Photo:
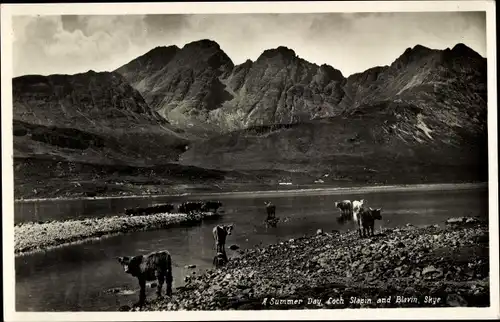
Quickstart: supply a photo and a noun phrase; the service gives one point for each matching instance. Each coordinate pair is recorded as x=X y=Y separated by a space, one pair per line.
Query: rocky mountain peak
x=202 y=52
x=331 y=72
x=463 y=51
x=202 y=44
x=281 y=52
x=160 y=52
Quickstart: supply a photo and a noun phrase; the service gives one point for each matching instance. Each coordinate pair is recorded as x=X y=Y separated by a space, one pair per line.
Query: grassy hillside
x=113 y=147
x=373 y=146
x=55 y=177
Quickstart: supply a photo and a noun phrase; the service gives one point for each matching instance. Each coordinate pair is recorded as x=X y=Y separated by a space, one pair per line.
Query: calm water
x=76 y=277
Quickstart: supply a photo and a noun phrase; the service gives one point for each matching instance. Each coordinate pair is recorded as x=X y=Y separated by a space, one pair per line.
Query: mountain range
x=421 y=119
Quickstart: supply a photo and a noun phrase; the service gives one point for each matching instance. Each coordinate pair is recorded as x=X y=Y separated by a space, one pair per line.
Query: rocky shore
x=31 y=237
x=435 y=266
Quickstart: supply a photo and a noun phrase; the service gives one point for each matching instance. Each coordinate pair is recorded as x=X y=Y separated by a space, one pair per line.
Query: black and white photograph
x=249 y=158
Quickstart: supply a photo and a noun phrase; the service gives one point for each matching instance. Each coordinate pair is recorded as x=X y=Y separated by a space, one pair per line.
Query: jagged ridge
x=280 y=87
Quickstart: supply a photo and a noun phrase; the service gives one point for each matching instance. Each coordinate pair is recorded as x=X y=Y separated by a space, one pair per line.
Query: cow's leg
x=225 y=255
x=160 y=276
x=169 y=280
x=142 y=292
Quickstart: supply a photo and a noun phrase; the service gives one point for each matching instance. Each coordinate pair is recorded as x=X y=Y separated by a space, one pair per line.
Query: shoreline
x=305 y=191
x=449 y=264
x=35 y=237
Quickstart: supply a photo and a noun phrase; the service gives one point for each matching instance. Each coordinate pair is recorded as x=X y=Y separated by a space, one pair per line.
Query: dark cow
x=190 y=207
x=166 y=208
x=272 y=222
x=271 y=210
x=211 y=205
x=345 y=207
x=220 y=260
x=366 y=221
x=220 y=233
x=150 y=267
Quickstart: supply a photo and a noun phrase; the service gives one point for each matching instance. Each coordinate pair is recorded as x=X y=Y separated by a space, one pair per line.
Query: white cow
x=356 y=207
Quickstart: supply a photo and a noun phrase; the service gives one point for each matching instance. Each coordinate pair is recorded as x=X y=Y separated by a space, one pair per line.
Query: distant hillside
x=92 y=117
x=376 y=148
x=44 y=177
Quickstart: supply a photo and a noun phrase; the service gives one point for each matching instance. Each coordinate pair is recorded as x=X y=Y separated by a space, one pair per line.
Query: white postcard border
x=7 y=11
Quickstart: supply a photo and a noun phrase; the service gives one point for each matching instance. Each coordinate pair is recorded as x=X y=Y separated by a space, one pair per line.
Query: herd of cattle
x=357 y=212
x=158 y=265
x=188 y=207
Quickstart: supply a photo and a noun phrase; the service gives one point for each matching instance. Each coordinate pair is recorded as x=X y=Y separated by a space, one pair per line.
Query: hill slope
x=74 y=135
x=93 y=134
x=103 y=106
x=369 y=149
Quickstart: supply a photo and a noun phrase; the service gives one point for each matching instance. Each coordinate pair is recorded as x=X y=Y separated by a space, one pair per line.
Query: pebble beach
x=436 y=266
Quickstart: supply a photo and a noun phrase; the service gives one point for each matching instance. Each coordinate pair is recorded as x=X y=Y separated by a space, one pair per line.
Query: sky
x=350 y=42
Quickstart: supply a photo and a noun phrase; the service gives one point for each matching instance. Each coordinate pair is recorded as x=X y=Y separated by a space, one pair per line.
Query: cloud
x=349 y=42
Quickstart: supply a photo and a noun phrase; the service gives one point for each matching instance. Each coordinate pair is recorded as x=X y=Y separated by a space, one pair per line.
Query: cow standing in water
x=271 y=219
x=357 y=205
x=149 y=267
x=345 y=207
x=220 y=233
x=366 y=221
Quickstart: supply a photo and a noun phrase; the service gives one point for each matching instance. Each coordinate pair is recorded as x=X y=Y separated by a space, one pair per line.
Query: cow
x=271 y=210
x=149 y=267
x=166 y=208
x=129 y=212
x=356 y=207
x=220 y=259
x=149 y=210
x=134 y=211
x=190 y=207
x=273 y=222
x=211 y=205
x=220 y=233
x=345 y=207
x=366 y=221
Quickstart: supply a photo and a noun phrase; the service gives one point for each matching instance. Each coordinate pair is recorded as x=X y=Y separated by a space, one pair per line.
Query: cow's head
x=228 y=229
x=336 y=204
x=376 y=213
x=131 y=265
x=125 y=262
x=267 y=203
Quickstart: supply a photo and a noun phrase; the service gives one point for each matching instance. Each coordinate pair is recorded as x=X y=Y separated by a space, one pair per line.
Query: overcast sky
x=349 y=42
